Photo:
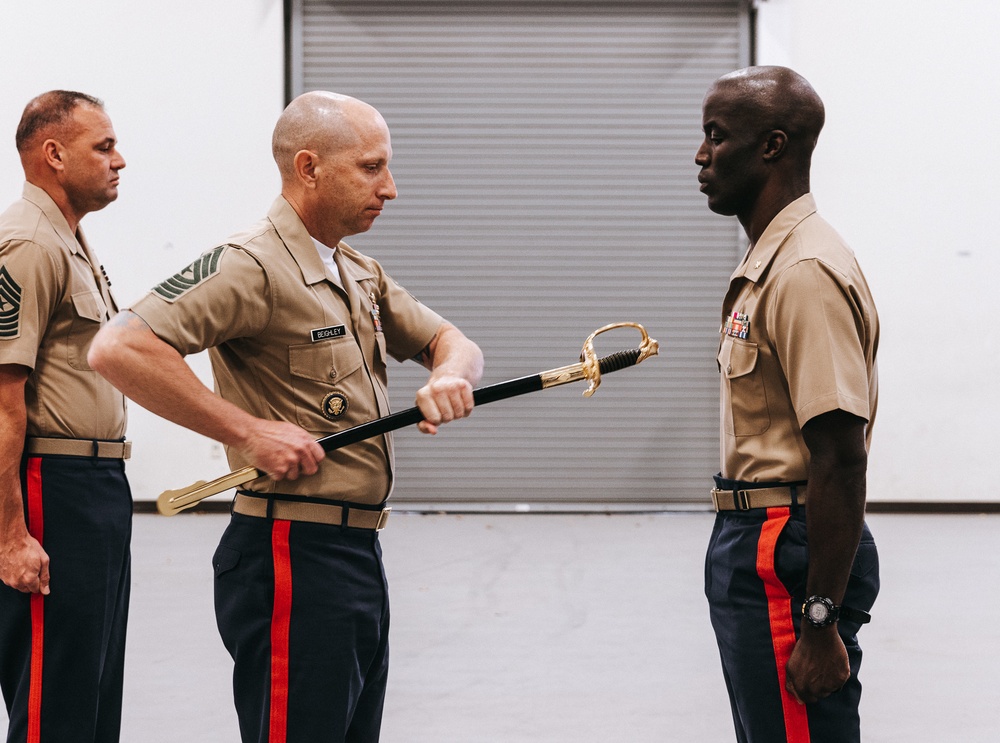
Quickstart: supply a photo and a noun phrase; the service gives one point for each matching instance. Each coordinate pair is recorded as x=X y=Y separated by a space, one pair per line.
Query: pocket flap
x=326 y=361
x=224 y=560
x=90 y=305
x=742 y=359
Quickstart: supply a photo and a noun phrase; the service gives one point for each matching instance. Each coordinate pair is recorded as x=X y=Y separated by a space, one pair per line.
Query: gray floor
x=577 y=628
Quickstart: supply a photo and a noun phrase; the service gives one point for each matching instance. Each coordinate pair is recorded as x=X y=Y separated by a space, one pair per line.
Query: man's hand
x=456 y=363
x=281 y=450
x=24 y=565
x=819 y=665
x=442 y=400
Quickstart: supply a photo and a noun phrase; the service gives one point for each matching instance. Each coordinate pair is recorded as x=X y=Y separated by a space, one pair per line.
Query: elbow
x=99 y=354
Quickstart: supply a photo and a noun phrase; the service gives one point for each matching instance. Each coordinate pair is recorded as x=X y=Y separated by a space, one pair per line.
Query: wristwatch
x=820 y=611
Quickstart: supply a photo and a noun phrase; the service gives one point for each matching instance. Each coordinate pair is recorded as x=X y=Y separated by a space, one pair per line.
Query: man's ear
x=52 y=151
x=305 y=163
x=775 y=145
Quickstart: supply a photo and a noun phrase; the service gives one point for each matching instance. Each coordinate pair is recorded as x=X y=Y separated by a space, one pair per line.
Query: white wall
x=193 y=89
x=907 y=170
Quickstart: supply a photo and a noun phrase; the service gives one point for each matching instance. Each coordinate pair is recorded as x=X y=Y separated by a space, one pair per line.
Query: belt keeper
x=345 y=515
x=95 y=447
x=270 y=508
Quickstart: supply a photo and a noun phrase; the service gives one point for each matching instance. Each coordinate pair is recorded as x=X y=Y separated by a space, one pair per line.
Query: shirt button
x=333 y=374
x=729 y=370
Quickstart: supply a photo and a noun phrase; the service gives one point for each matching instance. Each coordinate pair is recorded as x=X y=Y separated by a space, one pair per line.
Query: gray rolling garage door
x=544 y=156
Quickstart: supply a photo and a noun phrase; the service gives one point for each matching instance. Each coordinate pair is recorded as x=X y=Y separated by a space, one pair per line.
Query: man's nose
x=388 y=190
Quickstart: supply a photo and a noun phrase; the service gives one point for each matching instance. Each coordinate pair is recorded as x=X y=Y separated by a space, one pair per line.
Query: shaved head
x=776 y=98
x=319 y=121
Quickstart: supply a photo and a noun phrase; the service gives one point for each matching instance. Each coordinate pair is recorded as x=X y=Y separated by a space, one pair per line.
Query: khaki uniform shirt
x=287 y=343
x=53 y=300
x=799 y=336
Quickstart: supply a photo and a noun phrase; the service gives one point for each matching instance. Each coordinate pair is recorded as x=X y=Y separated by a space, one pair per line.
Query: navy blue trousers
x=62 y=656
x=304 y=611
x=755 y=581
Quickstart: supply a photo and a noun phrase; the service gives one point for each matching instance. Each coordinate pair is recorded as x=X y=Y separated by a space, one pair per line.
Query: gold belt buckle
x=383 y=518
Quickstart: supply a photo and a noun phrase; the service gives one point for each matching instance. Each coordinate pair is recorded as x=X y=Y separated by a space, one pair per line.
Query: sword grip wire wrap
x=619 y=360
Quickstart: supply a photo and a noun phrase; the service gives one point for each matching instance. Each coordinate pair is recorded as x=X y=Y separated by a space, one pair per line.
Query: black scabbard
x=481 y=396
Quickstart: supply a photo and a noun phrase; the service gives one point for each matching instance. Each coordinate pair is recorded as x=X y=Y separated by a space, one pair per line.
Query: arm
x=23 y=563
x=835 y=511
x=456 y=364
x=151 y=372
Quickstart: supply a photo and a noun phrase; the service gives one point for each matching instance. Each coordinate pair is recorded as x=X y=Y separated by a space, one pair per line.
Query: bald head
x=775 y=98
x=319 y=121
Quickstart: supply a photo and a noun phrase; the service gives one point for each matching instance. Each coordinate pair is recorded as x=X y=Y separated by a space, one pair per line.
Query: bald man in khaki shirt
x=300 y=328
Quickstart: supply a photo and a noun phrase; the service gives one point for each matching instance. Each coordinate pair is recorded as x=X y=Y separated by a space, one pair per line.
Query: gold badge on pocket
x=334 y=405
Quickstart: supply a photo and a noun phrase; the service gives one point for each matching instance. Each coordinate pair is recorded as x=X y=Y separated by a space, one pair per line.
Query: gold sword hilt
x=590 y=365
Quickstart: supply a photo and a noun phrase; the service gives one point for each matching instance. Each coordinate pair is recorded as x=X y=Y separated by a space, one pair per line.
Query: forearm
x=835 y=506
x=153 y=374
x=452 y=354
x=13 y=423
x=835 y=515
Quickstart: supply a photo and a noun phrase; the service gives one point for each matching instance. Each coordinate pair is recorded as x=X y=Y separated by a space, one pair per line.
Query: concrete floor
x=579 y=629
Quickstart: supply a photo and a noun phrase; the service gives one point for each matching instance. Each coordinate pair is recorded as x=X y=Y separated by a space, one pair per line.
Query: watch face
x=817 y=612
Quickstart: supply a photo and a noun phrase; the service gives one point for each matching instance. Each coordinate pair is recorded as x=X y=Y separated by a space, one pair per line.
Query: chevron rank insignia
x=10 y=305
x=188 y=278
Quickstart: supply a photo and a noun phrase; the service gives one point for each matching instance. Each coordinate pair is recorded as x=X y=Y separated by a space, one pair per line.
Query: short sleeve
x=409 y=325
x=222 y=295
x=817 y=329
x=31 y=282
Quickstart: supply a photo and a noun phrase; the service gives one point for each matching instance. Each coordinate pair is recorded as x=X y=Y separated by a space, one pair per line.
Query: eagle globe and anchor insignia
x=334 y=405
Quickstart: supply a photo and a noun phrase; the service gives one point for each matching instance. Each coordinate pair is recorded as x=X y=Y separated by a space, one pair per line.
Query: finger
x=43 y=577
x=427 y=427
x=429 y=409
x=308 y=465
x=790 y=688
x=468 y=399
x=446 y=409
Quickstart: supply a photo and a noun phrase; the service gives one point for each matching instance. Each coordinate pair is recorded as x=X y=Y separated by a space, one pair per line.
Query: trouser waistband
x=311 y=510
x=93 y=448
x=736 y=495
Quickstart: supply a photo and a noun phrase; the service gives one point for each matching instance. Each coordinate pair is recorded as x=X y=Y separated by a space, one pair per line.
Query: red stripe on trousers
x=36 y=529
x=280 y=622
x=779 y=609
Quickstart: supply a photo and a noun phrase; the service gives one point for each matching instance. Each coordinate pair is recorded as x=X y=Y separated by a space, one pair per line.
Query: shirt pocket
x=747 y=414
x=316 y=369
x=89 y=313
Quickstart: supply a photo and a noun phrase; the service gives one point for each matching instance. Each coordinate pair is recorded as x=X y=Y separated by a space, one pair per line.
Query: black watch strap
x=832 y=613
x=854 y=615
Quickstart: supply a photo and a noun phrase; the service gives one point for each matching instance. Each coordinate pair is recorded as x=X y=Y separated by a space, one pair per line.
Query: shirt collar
x=40 y=198
x=762 y=255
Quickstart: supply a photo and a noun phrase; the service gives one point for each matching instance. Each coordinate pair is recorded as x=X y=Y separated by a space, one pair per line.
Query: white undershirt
x=326 y=255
